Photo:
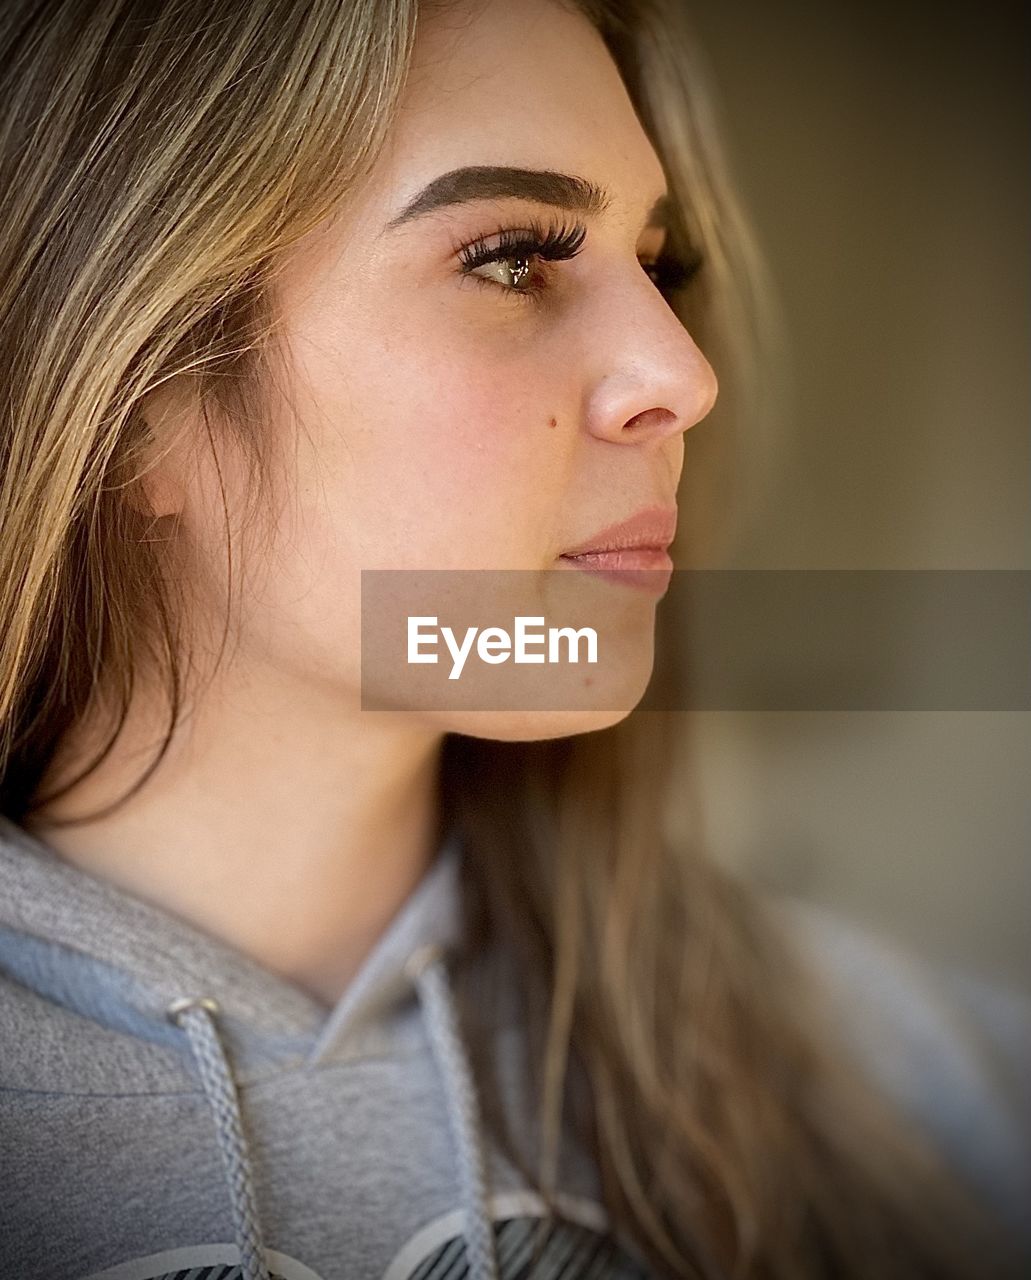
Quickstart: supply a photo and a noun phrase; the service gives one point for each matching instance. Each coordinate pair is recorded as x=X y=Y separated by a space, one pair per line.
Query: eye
x=669 y=273
x=511 y=273
x=512 y=255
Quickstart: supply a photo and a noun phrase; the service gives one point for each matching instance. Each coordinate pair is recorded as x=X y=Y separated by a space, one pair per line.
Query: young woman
x=295 y=988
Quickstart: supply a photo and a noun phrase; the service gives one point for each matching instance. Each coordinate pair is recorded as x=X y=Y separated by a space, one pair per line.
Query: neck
x=288 y=825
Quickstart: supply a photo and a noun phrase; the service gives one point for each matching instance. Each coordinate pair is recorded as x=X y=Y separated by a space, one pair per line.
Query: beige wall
x=883 y=151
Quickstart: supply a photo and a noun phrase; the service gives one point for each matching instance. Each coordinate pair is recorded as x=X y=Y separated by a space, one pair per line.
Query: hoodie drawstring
x=427 y=968
x=196 y=1016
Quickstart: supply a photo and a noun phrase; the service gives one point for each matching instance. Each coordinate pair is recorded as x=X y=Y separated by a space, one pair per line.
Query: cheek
x=415 y=447
x=431 y=455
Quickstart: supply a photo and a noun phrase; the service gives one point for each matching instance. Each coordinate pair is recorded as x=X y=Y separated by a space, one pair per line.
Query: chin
x=533 y=726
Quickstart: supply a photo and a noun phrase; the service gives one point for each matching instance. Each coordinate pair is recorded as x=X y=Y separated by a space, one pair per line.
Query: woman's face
x=440 y=418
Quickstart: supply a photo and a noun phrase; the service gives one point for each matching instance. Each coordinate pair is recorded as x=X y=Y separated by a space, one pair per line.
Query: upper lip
x=649 y=527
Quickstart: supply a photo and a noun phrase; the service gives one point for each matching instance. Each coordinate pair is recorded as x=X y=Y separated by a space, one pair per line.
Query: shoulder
x=950 y=1047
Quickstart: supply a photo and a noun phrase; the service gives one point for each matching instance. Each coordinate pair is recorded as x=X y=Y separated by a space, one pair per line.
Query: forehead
x=524 y=83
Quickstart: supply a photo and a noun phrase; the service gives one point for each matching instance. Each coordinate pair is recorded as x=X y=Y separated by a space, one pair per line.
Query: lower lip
x=646 y=568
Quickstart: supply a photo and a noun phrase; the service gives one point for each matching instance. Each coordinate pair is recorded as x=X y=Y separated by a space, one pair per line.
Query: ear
x=169 y=412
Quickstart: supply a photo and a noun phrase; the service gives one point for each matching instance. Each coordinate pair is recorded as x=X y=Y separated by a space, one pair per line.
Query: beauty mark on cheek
x=552 y=422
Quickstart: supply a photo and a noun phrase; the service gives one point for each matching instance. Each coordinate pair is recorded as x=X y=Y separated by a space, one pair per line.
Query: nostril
x=651 y=419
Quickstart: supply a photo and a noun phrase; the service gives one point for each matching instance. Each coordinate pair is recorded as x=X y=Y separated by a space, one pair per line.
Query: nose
x=658 y=383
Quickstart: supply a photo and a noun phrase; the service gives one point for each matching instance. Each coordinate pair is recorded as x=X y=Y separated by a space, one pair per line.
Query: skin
x=286 y=820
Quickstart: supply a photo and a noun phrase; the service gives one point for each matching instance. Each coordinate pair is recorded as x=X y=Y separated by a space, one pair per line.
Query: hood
x=129 y=966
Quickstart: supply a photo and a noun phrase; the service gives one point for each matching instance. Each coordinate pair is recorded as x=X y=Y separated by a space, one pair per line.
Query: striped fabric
x=528 y=1248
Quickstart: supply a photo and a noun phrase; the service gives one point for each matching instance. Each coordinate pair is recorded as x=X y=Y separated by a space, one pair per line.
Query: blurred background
x=882 y=151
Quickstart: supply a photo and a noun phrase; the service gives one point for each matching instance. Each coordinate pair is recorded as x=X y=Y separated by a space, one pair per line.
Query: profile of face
x=447 y=412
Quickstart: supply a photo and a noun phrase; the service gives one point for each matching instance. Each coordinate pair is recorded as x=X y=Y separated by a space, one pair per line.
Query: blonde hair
x=155 y=162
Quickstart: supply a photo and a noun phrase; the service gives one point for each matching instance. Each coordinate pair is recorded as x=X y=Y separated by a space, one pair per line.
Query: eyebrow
x=493 y=182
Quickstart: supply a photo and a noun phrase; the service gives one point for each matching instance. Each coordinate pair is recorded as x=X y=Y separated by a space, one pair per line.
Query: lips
x=628 y=558
x=651 y=527
x=632 y=552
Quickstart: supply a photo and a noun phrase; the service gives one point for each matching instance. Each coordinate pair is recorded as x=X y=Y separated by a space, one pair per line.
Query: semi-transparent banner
x=723 y=639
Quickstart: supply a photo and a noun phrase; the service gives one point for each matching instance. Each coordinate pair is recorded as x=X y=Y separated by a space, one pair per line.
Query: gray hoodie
x=170 y=1108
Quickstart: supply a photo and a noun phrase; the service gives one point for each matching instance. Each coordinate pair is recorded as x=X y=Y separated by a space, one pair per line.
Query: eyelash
x=559 y=244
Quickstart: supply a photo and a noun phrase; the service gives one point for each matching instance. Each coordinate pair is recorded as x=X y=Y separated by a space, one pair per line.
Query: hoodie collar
x=91 y=946
x=121 y=960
